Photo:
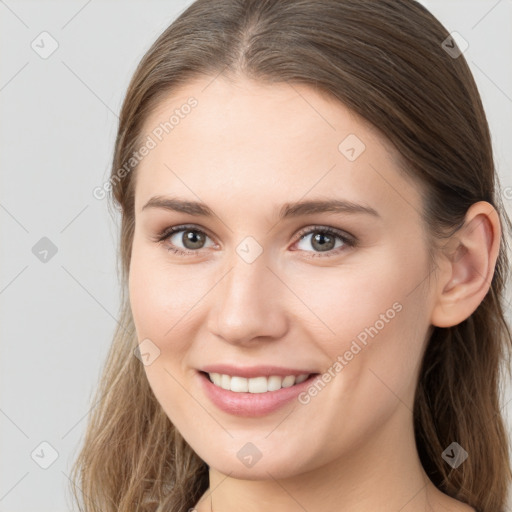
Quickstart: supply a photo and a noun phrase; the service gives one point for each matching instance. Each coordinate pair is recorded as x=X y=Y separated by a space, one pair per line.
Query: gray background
x=59 y=119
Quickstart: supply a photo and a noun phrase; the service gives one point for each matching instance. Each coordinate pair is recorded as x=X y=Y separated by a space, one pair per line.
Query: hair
x=385 y=61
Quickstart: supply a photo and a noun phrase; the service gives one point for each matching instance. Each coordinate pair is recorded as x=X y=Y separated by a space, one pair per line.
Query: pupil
x=320 y=239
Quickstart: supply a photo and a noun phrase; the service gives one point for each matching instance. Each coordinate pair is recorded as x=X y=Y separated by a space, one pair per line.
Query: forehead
x=246 y=139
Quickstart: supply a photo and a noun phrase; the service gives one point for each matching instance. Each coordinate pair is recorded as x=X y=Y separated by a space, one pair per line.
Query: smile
x=253 y=395
x=255 y=384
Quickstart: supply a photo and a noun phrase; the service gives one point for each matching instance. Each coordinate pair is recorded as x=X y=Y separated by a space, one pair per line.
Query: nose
x=248 y=304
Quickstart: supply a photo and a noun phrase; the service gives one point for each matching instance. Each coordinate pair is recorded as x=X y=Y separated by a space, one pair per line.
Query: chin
x=269 y=465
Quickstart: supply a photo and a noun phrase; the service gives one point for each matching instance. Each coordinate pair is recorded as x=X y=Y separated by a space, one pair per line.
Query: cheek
x=160 y=301
x=363 y=294
x=161 y=297
x=373 y=361
x=377 y=315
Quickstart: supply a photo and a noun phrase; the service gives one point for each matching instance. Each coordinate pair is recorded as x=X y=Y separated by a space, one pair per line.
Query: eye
x=190 y=237
x=325 y=240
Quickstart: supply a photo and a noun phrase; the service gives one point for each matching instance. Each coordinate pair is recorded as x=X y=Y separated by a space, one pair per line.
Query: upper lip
x=253 y=371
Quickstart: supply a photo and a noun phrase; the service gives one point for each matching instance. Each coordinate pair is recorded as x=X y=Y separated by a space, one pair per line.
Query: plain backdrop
x=64 y=70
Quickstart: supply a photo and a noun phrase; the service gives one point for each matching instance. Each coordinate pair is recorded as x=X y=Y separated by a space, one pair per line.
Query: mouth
x=260 y=384
x=253 y=396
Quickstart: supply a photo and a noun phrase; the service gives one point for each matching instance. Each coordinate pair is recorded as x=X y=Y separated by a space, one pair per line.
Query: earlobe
x=467 y=263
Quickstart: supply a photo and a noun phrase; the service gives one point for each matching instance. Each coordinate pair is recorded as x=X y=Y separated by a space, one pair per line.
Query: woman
x=313 y=260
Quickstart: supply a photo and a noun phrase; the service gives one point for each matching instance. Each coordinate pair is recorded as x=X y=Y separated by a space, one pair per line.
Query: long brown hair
x=386 y=60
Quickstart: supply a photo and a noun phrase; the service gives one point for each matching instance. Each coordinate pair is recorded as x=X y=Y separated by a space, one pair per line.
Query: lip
x=251 y=404
x=253 y=371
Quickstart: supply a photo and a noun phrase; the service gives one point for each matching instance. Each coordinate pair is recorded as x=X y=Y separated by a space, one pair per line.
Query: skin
x=245 y=150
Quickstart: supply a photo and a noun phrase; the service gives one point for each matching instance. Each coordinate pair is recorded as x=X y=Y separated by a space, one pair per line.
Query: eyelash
x=348 y=240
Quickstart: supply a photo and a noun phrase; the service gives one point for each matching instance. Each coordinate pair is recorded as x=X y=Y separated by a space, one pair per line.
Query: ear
x=466 y=266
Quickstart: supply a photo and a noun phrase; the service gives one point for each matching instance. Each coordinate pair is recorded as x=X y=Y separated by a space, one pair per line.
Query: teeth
x=301 y=378
x=256 y=384
x=238 y=384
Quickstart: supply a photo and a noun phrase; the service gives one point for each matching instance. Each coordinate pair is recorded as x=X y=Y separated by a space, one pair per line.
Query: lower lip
x=251 y=404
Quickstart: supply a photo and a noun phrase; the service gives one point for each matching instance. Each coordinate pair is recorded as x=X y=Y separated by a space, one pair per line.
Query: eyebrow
x=288 y=210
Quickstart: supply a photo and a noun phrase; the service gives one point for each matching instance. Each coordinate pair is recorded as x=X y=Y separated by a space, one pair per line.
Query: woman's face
x=262 y=284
